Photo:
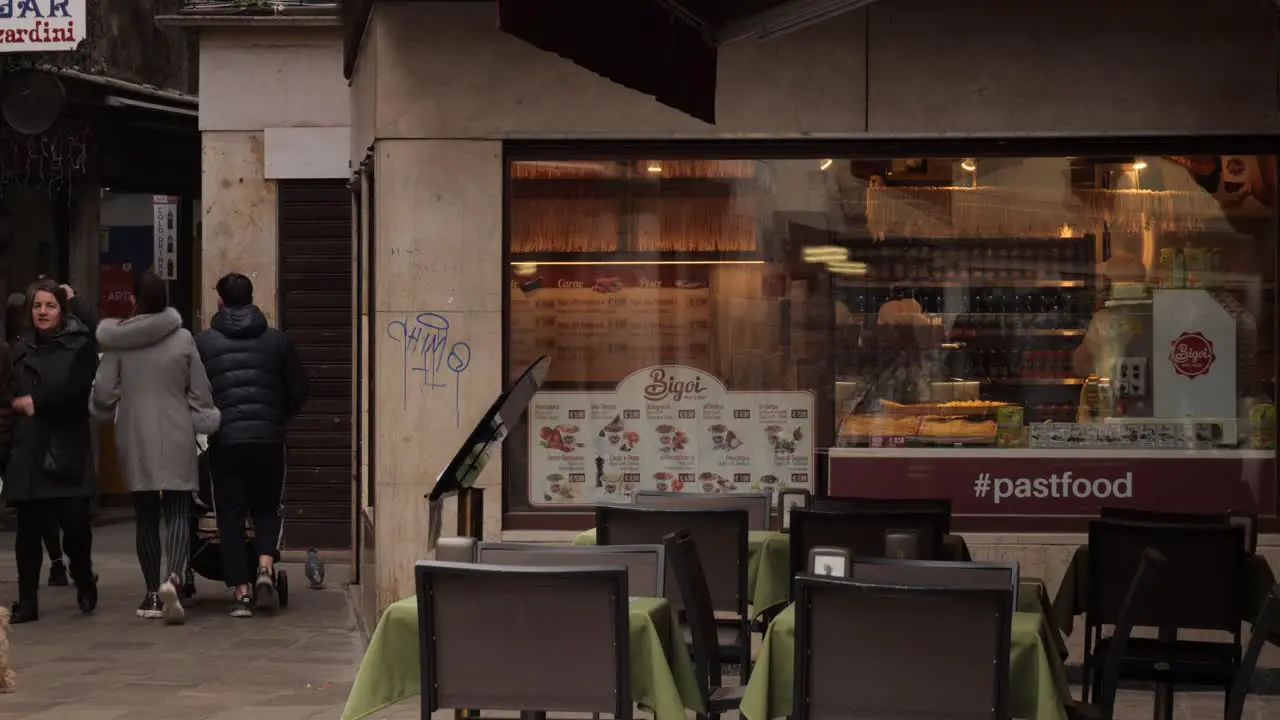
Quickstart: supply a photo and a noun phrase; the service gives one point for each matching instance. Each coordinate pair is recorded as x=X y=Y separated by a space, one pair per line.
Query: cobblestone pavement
x=112 y=665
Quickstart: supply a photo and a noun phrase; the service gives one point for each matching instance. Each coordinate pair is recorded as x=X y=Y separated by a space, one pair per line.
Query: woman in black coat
x=49 y=479
x=15 y=314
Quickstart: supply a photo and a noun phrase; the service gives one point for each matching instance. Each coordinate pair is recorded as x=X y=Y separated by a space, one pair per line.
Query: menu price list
x=602 y=447
x=598 y=322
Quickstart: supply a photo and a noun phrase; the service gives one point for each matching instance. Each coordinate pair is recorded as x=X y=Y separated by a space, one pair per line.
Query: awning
x=663 y=48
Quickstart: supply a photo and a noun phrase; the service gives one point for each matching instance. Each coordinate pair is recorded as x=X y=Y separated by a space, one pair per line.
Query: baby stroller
x=206 y=553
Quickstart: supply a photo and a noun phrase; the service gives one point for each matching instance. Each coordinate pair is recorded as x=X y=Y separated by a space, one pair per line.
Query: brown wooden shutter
x=315 y=310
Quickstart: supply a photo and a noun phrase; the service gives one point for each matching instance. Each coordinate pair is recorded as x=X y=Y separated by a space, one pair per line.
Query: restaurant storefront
x=1024 y=259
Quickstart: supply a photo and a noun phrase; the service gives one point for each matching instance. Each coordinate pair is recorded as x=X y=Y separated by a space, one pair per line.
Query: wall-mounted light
x=524 y=269
x=824 y=164
x=654 y=168
x=968 y=164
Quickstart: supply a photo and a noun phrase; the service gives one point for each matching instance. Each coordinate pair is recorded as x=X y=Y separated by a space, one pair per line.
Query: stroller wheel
x=282 y=588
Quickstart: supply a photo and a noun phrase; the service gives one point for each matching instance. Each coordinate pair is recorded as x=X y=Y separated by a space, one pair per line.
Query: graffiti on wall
x=433 y=362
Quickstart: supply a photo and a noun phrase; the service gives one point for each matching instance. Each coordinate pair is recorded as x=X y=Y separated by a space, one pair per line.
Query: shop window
x=1025 y=336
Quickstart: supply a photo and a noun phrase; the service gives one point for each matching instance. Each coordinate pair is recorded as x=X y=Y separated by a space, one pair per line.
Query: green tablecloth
x=769 y=564
x=662 y=674
x=1073 y=594
x=1038 y=688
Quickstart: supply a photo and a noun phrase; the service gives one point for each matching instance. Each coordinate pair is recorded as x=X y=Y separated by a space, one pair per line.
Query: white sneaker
x=264 y=590
x=172 y=609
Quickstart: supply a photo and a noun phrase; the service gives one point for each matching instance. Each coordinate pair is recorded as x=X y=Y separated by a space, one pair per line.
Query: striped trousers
x=175 y=509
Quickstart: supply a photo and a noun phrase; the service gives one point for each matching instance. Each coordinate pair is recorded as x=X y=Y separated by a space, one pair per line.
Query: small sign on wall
x=42 y=25
x=165 y=234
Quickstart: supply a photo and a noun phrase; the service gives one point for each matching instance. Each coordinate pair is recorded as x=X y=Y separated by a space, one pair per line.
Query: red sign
x=115 y=290
x=1192 y=354
x=1020 y=482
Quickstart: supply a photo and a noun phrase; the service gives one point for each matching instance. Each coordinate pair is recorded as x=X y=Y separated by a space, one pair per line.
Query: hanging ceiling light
x=654 y=167
x=824 y=164
x=969 y=164
x=825 y=253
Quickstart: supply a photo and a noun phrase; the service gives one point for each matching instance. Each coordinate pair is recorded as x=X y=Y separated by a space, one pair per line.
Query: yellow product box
x=1262 y=426
x=1197 y=264
x=1166 y=265
x=1009 y=419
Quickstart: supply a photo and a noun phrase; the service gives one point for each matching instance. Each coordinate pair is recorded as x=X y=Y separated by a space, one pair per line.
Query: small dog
x=8 y=680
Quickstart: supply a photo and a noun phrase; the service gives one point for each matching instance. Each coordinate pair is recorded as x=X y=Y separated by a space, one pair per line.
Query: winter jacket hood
x=140 y=331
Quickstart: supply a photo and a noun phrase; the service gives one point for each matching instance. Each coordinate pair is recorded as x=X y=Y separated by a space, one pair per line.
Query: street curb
x=1266 y=681
x=353 y=602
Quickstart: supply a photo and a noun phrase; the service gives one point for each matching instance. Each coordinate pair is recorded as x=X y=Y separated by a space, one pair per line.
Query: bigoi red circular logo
x=1192 y=354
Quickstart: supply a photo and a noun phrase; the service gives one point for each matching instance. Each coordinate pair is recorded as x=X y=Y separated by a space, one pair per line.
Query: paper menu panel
x=670 y=428
x=599 y=321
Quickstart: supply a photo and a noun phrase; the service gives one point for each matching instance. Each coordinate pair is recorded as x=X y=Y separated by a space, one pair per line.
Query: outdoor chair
x=1267 y=622
x=1104 y=701
x=1198 y=589
x=758 y=505
x=682 y=552
x=504 y=639
x=938 y=573
x=863 y=532
x=866 y=650
x=645 y=564
x=721 y=537
x=840 y=504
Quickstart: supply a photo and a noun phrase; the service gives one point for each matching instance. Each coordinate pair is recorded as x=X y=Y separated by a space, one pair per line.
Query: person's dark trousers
x=248 y=481
x=53 y=541
x=34 y=519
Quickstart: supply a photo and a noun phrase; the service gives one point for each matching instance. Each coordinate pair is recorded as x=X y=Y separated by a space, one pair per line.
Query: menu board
x=601 y=321
x=672 y=428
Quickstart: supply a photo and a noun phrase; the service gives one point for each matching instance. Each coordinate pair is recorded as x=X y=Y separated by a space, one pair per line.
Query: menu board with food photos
x=600 y=321
x=672 y=428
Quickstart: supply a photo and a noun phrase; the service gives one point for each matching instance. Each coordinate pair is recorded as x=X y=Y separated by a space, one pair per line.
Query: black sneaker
x=58 y=574
x=264 y=590
x=24 y=612
x=151 y=607
x=87 y=595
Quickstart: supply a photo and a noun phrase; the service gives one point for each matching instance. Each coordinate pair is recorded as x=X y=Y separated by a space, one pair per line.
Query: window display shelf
x=974 y=283
x=1035 y=381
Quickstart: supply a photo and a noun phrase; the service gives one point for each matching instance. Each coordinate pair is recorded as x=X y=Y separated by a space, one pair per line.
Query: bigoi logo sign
x=1192 y=355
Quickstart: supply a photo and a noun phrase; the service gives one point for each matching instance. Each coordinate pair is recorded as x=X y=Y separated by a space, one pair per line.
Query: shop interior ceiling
x=663 y=48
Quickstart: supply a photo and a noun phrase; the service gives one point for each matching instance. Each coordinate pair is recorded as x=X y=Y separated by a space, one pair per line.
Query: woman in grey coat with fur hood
x=152 y=384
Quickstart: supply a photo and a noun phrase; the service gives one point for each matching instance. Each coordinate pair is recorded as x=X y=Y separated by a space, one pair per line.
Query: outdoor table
x=662 y=675
x=769 y=564
x=1073 y=594
x=1038 y=688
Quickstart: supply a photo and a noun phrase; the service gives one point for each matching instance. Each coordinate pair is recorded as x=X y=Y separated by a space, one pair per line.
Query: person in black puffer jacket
x=259 y=384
